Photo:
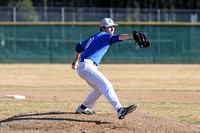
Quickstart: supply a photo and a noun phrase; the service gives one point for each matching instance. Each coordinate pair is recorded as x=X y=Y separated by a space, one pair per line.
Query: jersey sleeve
x=114 y=39
x=80 y=47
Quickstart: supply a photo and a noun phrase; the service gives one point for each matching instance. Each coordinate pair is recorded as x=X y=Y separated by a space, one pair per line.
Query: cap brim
x=111 y=25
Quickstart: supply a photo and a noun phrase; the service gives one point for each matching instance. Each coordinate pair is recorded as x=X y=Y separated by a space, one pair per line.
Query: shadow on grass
x=30 y=117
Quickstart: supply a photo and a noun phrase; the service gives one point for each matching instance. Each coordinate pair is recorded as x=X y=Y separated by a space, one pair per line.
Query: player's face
x=110 y=30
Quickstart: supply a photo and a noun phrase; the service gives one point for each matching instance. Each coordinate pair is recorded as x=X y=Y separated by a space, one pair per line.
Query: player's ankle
x=83 y=107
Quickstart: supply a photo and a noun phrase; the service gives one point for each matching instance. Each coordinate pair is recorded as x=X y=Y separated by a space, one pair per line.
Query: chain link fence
x=55 y=43
x=83 y=14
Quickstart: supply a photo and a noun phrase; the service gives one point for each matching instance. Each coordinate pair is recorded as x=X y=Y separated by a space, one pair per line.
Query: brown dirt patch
x=101 y=122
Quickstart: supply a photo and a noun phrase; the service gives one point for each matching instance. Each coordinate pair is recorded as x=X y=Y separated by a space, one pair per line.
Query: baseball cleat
x=86 y=111
x=126 y=110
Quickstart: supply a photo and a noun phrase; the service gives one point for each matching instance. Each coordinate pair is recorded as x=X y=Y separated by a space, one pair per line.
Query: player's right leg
x=84 y=110
x=92 y=97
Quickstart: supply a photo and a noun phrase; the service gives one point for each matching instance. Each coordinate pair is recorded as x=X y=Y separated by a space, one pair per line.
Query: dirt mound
x=101 y=122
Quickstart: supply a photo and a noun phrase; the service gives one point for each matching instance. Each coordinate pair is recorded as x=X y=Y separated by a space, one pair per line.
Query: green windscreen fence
x=56 y=44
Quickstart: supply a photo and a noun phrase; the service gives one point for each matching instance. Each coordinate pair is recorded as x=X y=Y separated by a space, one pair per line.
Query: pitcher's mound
x=101 y=122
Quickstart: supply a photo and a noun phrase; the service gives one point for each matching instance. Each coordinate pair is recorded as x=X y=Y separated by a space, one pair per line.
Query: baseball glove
x=141 y=39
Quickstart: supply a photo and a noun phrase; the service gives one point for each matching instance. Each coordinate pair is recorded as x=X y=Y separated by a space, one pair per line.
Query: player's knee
x=106 y=86
x=109 y=86
x=98 y=93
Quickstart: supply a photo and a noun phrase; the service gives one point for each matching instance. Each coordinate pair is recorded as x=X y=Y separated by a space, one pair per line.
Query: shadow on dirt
x=36 y=117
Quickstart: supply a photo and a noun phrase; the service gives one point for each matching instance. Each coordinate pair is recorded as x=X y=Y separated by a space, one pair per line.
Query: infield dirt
x=167 y=96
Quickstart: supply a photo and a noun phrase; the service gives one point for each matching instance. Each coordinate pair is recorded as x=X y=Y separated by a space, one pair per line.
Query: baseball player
x=93 y=50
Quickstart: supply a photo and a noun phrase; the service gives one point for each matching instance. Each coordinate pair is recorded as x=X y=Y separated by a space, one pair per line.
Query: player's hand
x=74 y=65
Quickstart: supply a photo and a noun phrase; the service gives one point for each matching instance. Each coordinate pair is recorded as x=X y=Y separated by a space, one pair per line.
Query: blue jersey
x=96 y=46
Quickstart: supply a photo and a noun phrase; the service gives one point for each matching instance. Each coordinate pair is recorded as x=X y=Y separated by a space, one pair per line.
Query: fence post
x=14 y=14
x=111 y=13
x=166 y=17
x=174 y=17
x=74 y=16
x=193 y=17
x=48 y=43
x=63 y=14
x=158 y=15
x=149 y=16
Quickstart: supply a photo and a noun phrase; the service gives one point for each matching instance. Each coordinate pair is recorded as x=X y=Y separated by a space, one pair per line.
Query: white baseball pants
x=89 y=72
